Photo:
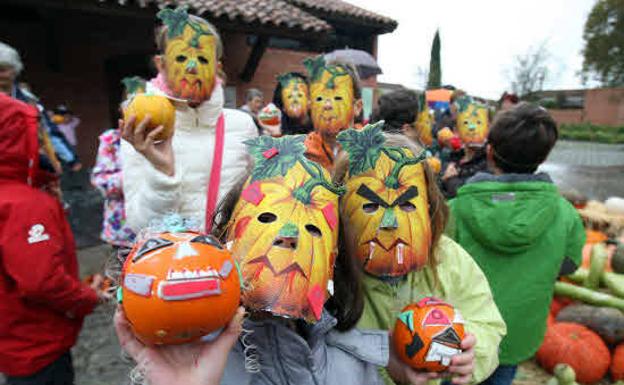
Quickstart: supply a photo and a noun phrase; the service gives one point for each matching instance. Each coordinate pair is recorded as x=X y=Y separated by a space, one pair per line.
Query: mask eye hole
x=465 y=122
x=267 y=217
x=315 y=231
x=338 y=98
x=319 y=98
x=180 y=58
x=407 y=207
x=370 y=208
x=478 y=122
x=202 y=60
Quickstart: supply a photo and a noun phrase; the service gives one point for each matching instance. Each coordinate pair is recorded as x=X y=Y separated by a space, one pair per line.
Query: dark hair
x=397 y=108
x=521 y=138
x=510 y=97
x=290 y=126
x=347 y=303
x=350 y=69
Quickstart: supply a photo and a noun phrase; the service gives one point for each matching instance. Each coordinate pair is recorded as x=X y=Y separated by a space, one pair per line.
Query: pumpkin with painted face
x=178 y=286
x=427 y=334
x=424 y=122
x=385 y=208
x=190 y=56
x=472 y=121
x=332 y=96
x=284 y=230
x=295 y=96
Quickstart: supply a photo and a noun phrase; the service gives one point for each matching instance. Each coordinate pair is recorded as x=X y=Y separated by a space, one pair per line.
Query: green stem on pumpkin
x=403 y=160
x=304 y=193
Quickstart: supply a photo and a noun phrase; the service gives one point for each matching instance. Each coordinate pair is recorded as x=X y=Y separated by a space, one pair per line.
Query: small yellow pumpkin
x=434 y=164
x=160 y=110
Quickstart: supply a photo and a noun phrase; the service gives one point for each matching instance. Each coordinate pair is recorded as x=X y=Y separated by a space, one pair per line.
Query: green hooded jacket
x=519 y=230
x=457 y=280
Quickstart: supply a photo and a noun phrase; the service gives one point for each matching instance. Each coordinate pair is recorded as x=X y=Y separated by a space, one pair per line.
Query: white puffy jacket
x=150 y=194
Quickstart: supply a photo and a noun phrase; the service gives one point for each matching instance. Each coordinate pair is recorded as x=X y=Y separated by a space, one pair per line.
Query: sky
x=481 y=40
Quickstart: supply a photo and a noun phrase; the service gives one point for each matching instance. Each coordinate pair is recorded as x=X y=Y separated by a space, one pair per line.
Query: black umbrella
x=364 y=62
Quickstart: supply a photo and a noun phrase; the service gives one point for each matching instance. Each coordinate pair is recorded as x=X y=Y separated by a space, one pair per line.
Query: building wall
x=567 y=116
x=605 y=106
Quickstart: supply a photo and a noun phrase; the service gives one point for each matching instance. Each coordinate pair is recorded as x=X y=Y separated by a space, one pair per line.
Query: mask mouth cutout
x=286 y=242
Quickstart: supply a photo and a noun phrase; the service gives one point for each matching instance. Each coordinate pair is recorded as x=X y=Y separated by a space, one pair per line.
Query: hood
x=19 y=143
x=508 y=212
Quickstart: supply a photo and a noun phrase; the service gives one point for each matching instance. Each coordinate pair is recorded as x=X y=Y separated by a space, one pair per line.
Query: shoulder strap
x=215 y=173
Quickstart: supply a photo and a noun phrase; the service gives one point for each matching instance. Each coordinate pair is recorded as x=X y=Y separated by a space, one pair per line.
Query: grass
x=592 y=133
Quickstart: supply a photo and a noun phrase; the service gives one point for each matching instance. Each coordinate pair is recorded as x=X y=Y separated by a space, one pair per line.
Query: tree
x=604 y=43
x=530 y=71
x=435 y=67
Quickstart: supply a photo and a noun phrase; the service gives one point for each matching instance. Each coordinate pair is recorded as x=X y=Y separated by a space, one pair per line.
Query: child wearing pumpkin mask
x=191 y=170
x=292 y=97
x=335 y=102
x=304 y=297
x=393 y=216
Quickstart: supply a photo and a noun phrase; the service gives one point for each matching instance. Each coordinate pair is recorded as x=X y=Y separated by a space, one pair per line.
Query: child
x=283 y=227
x=393 y=216
x=292 y=97
x=518 y=229
x=42 y=301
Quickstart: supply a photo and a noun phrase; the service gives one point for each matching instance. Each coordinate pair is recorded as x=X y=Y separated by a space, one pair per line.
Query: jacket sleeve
x=148 y=193
x=34 y=254
x=62 y=147
x=467 y=288
x=575 y=237
x=106 y=175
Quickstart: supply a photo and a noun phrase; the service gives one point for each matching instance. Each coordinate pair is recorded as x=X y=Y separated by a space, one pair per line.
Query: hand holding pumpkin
x=159 y=154
x=402 y=373
x=197 y=363
x=462 y=365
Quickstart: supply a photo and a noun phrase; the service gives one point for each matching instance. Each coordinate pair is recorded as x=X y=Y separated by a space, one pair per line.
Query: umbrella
x=364 y=62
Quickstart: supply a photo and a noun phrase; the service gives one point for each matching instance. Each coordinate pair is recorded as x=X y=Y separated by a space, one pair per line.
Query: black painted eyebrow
x=410 y=193
x=369 y=194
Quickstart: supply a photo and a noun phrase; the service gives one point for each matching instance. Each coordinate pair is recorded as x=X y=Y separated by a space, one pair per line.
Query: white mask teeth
x=371 y=249
x=399 y=252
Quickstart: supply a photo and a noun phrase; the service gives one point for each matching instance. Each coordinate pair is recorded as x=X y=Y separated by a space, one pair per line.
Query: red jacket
x=42 y=301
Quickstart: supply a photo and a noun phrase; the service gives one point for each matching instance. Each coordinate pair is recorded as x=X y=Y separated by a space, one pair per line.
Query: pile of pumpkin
x=586 y=322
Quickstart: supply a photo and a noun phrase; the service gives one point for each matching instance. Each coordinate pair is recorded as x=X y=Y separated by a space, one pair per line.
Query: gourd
x=617 y=363
x=160 y=110
x=607 y=322
x=617 y=260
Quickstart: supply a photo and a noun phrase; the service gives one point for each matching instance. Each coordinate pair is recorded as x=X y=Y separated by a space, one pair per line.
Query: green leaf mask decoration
x=285 y=79
x=274 y=157
x=463 y=103
x=315 y=67
x=365 y=146
x=176 y=20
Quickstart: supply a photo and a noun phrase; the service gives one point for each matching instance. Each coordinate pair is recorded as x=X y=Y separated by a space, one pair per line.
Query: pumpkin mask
x=284 y=230
x=332 y=96
x=424 y=123
x=190 y=57
x=295 y=96
x=472 y=121
x=385 y=208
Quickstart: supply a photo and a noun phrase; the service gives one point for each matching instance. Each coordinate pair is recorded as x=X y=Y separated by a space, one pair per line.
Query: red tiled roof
x=291 y=14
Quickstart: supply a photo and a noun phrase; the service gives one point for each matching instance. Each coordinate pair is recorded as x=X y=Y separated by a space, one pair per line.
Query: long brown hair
x=347 y=303
x=438 y=210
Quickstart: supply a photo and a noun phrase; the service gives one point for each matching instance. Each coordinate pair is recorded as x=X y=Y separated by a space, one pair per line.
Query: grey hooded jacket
x=323 y=357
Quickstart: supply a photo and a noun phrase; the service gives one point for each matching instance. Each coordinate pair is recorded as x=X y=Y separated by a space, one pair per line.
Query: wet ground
x=595 y=170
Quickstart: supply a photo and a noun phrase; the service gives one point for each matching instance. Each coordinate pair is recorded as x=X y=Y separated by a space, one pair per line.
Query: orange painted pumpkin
x=159 y=108
x=427 y=334
x=617 y=363
x=577 y=346
x=178 y=287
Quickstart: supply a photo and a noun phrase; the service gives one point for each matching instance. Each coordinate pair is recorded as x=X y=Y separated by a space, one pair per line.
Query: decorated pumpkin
x=159 y=109
x=577 y=346
x=385 y=206
x=295 y=95
x=332 y=96
x=177 y=287
x=428 y=334
x=190 y=55
x=434 y=164
x=284 y=230
x=472 y=121
x=270 y=115
x=617 y=363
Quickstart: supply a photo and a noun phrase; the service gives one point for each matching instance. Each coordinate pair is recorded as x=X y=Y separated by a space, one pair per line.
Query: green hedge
x=591 y=132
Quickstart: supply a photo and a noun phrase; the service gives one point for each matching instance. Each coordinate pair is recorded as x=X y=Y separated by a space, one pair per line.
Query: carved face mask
x=472 y=122
x=331 y=95
x=385 y=207
x=424 y=123
x=294 y=96
x=284 y=230
x=190 y=58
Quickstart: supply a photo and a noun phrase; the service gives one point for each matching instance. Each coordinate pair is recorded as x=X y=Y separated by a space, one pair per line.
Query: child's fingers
x=462 y=380
x=151 y=137
x=462 y=359
x=127 y=340
x=469 y=341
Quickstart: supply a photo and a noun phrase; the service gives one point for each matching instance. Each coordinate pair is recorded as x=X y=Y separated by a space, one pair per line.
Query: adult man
x=189 y=172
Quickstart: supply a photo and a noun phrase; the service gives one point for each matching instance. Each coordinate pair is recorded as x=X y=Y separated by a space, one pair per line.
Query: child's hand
x=195 y=363
x=450 y=172
x=462 y=365
x=160 y=154
x=401 y=373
